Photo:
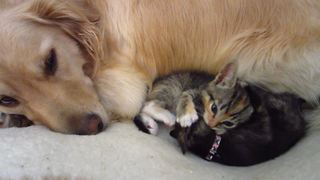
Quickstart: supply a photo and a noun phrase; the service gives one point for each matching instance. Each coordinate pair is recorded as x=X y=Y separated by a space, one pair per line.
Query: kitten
x=222 y=119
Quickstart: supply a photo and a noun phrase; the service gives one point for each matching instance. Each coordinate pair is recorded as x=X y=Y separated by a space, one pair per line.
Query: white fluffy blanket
x=122 y=152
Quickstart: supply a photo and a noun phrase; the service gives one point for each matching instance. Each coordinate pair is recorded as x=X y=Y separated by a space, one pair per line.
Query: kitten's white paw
x=150 y=124
x=159 y=114
x=186 y=120
x=169 y=119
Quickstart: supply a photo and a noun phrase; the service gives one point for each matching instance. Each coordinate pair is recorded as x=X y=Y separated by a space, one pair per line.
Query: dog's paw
x=146 y=124
x=187 y=119
x=14 y=120
x=4 y=120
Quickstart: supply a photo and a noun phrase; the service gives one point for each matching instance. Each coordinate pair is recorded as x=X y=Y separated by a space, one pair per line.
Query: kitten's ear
x=227 y=77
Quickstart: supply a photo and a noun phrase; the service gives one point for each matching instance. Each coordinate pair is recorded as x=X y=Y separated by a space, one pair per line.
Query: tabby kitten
x=222 y=119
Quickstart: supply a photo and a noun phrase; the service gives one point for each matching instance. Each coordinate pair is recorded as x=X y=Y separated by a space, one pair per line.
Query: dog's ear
x=76 y=21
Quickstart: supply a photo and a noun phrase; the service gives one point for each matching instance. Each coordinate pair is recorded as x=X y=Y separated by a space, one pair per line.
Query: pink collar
x=214 y=148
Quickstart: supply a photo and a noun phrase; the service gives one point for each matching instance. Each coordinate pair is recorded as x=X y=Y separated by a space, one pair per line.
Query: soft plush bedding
x=122 y=152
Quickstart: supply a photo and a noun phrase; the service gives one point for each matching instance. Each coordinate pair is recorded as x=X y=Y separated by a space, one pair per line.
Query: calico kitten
x=222 y=119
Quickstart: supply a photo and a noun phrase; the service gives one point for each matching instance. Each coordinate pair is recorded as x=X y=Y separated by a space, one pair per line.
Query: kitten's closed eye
x=228 y=123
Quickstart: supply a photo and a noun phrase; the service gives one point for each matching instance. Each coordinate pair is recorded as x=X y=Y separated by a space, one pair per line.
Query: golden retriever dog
x=70 y=65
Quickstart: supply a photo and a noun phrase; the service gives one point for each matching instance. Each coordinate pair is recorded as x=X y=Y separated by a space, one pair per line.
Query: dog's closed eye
x=51 y=63
x=8 y=101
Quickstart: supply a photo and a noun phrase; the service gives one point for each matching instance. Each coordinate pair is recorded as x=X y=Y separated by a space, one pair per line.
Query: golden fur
x=123 y=45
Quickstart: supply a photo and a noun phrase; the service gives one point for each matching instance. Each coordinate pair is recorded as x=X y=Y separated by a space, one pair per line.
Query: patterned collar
x=214 y=148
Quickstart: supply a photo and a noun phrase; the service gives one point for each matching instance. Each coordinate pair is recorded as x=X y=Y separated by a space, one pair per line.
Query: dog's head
x=49 y=52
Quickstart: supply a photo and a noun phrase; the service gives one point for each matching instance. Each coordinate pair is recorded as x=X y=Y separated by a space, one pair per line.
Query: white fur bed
x=122 y=152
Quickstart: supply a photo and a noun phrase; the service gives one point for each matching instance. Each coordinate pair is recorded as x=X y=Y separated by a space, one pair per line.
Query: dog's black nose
x=92 y=124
